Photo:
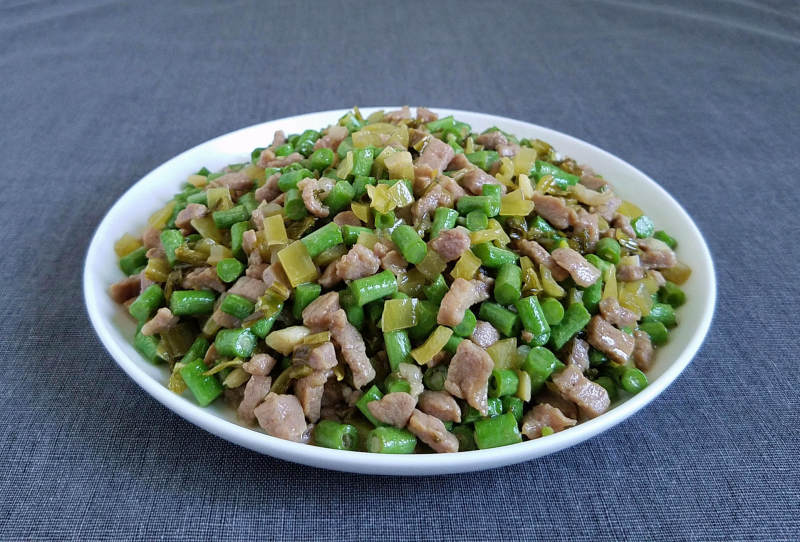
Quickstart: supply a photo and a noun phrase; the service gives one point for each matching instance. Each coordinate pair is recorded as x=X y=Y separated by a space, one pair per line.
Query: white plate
x=129 y=214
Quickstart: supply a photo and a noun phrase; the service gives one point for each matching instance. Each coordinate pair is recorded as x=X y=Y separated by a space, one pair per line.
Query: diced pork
x=268 y=159
x=398 y=115
x=282 y=416
x=259 y=364
x=347 y=218
x=189 y=213
x=450 y=184
x=435 y=155
x=590 y=179
x=269 y=191
x=160 y=322
x=579 y=354
x=451 y=244
x=616 y=314
x=435 y=197
x=256 y=270
x=322 y=357
x=490 y=140
x=642 y=350
x=474 y=179
x=314 y=191
x=554 y=210
x=278 y=139
x=393 y=408
x=228 y=321
x=431 y=430
x=353 y=349
x=608 y=209
x=357 y=263
x=461 y=296
x=485 y=335
x=318 y=315
x=127 y=288
x=211 y=356
x=508 y=150
x=334 y=135
x=616 y=344
x=393 y=261
x=425 y=115
x=440 y=404
x=591 y=398
x=468 y=375
x=248 y=288
x=542 y=416
x=275 y=273
x=330 y=276
x=459 y=161
x=582 y=272
x=539 y=254
x=203 y=278
x=656 y=254
x=309 y=390
x=237 y=180
x=255 y=391
x=151 y=238
x=587 y=225
x=623 y=223
x=628 y=272
x=551 y=397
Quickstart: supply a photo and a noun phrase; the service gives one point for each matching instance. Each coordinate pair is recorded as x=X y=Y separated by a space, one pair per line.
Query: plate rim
x=363 y=462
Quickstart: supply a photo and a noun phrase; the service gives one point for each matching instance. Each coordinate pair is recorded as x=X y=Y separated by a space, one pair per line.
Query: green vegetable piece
x=374 y=287
x=561 y=177
x=489 y=205
x=436 y=290
x=304 y=294
x=452 y=343
x=322 y=239
x=398 y=347
x=643 y=226
x=671 y=294
x=293 y=206
x=477 y=220
x=340 y=197
x=575 y=319
x=350 y=233
x=503 y=382
x=229 y=269
x=305 y=143
x=355 y=313
x=263 y=326
x=592 y=295
x=540 y=364
x=321 y=159
x=147 y=346
x=384 y=221
x=492 y=256
x=662 y=312
x=553 y=310
x=335 y=435
x=465 y=436
x=390 y=440
x=483 y=159
x=237 y=306
x=657 y=331
x=503 y=320
x=229 y=217
x=235 y=343
x=434 y=377
x=289 y=179
x=237 y=232
x=362 y=161
x=133 y=261
x=608 y=248
x=533 y=319
x=360 y=185
x=372 y=394
x=443 y=219
x=205 y=388
x=514 y=405
x=411 y=245
x=395 y=383
x=501 y=430
x=633 y=380
x=508 y=285
x=197 y=350
x=467 y=324
x=426 y=312
x=147 y=303
x=665 y=238
x=192 y=302
x=494 y=408
x=170 y=240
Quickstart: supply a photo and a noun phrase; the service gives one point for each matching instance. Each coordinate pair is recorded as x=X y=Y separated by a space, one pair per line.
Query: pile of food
x=401 y=284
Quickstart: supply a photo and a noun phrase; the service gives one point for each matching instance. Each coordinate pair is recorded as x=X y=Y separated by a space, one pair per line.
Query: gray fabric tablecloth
x=703 y=96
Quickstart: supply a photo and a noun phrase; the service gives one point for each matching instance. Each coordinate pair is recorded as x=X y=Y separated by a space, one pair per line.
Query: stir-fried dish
x=402 y=284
